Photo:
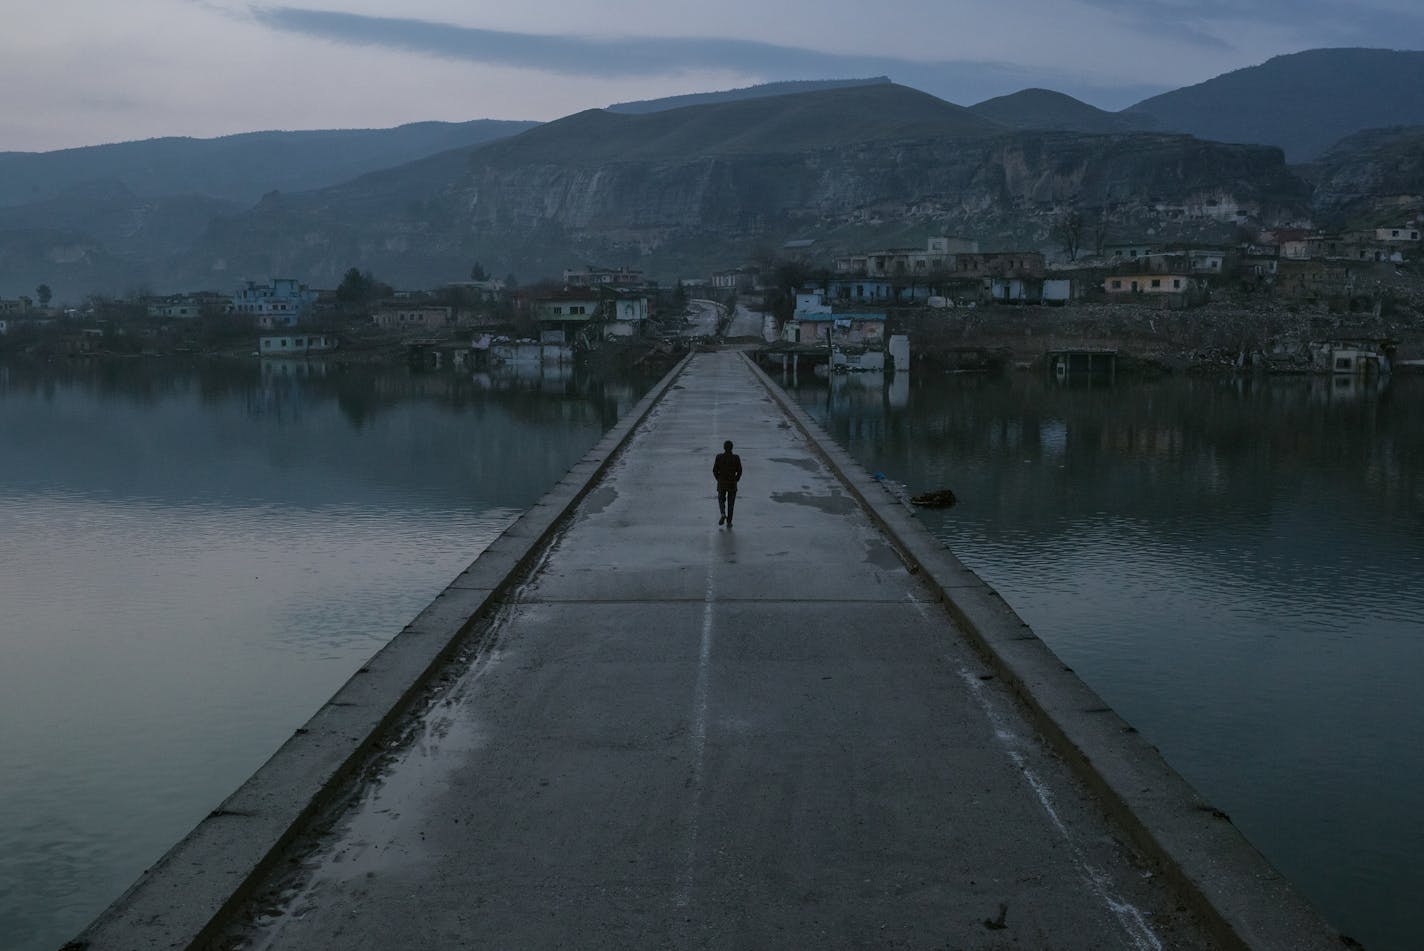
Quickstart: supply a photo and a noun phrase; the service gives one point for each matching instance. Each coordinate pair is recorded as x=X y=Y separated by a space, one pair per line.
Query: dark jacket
x=727 y=470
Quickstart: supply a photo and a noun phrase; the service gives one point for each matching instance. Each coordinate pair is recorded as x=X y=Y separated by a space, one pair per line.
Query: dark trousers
x=726 y=500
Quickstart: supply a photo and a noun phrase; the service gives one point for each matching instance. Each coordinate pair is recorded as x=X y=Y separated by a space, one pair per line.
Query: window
x=1343 y=363
x=1156 y=282
x=1117 y=285
x=1176 y=283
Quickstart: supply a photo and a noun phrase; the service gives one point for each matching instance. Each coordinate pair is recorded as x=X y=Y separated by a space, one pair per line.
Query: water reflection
x=196 y=556
x=1233 y=563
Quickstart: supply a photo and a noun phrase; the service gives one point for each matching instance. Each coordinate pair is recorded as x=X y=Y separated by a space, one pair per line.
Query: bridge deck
x=680 y=735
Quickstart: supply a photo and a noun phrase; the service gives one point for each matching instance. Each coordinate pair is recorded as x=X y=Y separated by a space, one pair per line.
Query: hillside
x=771 y=125
x=760 y=91
x=237 y=168
x=1372 y=178
x=1044 y=109
x=1302 y=103
x=686 y=190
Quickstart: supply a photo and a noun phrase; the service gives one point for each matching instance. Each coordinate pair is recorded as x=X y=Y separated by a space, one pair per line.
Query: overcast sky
x=81 y=72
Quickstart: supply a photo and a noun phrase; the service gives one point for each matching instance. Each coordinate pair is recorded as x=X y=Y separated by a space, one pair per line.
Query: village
x=1288 y=300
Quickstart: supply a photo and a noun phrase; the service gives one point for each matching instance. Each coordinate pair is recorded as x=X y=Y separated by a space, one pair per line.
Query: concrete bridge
x=625 y=726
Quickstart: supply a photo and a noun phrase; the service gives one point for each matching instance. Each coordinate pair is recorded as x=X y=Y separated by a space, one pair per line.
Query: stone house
x=736 y=279
x=423 y=317
x=1408 y=233
x=590 y=276
x=1314 y=280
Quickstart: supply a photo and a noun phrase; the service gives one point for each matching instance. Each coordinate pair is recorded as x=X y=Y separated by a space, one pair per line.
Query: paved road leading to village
x=679 y=735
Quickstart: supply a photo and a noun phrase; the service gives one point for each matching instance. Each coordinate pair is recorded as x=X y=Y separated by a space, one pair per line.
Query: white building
x=1407 y=233
x=1151 y=284
x=279 y=302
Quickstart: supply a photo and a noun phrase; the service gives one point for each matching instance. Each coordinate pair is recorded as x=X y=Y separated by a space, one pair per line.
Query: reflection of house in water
x=1350 y=357
x=282 y=385
x=295 y=345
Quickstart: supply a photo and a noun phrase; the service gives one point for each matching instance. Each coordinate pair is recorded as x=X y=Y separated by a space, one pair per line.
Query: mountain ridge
x=1302 y=102
x=240 y=167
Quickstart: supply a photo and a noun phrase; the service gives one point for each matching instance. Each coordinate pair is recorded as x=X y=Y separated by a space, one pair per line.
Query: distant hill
x=1372 y=178
x=238 y=168
x=778 y=124
x=684 y=190
x=1302 y=103
x=644 y=106
x=1046 y=109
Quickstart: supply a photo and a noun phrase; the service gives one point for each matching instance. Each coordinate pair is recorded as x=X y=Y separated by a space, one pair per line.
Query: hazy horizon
x=88 y=73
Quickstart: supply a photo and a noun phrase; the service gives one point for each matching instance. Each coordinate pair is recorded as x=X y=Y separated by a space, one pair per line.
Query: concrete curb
x=188 y=895
x=1239 y=896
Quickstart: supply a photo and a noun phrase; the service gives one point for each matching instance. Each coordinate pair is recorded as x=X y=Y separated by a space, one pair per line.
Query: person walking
x=727 y=470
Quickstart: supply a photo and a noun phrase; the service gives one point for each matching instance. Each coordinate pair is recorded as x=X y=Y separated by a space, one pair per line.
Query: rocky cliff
x=684 y=191
x=670 y=193
x=1372 y=178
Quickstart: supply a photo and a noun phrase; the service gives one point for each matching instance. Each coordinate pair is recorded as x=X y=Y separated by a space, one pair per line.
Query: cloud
x=965 y=82
x=568 y=55
x=1317 y=22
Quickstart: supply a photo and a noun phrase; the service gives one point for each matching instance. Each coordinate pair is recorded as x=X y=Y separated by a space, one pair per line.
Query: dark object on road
x=938 y=499
x=997 y=924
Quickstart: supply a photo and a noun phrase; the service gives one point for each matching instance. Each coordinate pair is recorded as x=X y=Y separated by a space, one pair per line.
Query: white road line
x=699 y=709
x=1128 y=915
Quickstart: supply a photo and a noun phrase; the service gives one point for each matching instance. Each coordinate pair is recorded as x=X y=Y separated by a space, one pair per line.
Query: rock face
x=1372 y=177
x=684 y=191
x=680 y=215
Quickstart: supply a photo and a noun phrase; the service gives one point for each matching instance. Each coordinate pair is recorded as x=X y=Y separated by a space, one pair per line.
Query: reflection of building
x=1349 y=357
x=294 y=345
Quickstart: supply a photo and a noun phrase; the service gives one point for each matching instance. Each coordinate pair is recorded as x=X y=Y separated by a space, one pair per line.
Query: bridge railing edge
x=189 y=896
x=1236 y=892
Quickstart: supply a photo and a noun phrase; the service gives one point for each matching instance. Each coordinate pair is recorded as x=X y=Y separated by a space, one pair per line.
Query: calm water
x=1236 y=566
x=195 y=558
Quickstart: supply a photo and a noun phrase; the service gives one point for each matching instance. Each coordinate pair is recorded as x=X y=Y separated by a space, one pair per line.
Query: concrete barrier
x=1237 y=893
x=187 y=896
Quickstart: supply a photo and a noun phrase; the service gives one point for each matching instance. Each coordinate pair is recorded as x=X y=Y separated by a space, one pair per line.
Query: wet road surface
x=682 y=735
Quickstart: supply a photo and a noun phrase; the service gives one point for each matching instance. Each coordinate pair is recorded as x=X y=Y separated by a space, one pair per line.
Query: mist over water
x=1234 y=565
x=196 y=558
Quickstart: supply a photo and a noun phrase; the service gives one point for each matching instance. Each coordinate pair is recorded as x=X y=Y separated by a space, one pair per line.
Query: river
x=1237 y=567
x=197 y=555
x=194 y=558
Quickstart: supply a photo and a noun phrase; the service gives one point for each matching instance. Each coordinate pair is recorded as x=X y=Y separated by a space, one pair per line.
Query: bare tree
x=1068 y=232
